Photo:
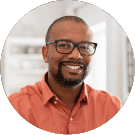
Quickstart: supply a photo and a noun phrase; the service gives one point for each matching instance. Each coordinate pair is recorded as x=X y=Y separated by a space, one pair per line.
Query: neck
x=67 y=95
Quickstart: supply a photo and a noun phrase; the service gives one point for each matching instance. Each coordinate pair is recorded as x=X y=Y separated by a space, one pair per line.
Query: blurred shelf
x=32 y=41
x=24 y=64
x=27 y=56
x=29 y=71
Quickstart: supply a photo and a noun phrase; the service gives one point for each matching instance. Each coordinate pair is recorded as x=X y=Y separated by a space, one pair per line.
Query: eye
x=64 y=45
x=85 y=47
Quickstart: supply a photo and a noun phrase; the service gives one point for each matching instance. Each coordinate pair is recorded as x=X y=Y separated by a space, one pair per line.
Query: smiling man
x=61 y=102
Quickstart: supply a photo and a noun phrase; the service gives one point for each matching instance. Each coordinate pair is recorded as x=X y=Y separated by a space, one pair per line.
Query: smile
x=73 y=67
x=76 y=67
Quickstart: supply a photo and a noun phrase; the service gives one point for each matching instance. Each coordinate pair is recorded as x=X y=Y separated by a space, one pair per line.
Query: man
x=61 y=102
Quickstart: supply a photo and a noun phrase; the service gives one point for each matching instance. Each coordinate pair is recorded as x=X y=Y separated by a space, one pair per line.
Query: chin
x=70 y=82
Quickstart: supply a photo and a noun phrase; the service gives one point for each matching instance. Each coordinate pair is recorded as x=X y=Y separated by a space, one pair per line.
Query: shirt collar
x=84 y=94
x=48 y=94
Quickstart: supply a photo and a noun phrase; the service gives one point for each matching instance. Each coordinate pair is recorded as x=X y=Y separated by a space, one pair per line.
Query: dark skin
x=75 y=32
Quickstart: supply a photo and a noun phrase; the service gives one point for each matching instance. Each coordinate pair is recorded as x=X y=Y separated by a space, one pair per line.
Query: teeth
x=74 y=67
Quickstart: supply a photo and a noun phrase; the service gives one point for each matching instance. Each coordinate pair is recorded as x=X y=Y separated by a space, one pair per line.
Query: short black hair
x=64 y=18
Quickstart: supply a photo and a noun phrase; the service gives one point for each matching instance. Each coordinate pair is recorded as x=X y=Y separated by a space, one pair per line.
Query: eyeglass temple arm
x=50 y=42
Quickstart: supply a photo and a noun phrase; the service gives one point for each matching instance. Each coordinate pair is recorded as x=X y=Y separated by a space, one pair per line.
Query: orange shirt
x=38 y=105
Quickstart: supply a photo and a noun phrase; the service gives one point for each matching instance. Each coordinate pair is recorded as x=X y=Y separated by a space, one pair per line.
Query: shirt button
x=71 y=119
x=55 y=102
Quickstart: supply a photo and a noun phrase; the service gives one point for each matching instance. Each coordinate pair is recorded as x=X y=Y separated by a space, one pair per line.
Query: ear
x=45 y=53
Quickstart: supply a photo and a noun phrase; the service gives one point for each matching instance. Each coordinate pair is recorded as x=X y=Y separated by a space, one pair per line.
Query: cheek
x=51 y=55
x=88 y=60
x=53 y=59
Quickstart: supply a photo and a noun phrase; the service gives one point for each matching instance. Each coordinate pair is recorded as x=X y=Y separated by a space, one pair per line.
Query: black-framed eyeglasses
x=66 y=47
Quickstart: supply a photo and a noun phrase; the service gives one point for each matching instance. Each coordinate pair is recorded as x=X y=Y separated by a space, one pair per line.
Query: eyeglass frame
x=75 y=44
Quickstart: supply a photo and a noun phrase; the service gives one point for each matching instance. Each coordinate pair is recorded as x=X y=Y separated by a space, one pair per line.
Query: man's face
x=69 y=70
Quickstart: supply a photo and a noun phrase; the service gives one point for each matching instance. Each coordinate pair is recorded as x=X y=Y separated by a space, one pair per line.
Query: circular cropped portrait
x=67 y=67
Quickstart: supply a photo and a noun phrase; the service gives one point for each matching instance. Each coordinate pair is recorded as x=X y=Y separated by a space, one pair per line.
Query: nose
x=75 y=54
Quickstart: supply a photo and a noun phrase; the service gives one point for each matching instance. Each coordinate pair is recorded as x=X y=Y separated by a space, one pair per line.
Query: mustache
x=73 y=62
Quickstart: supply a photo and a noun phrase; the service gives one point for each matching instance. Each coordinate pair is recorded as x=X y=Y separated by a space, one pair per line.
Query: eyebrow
x=65 y=39
x=71 y=40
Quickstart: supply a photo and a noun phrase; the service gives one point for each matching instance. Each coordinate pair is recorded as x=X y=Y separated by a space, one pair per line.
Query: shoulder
x=103 y=103
x=24 y=93
x=104 y=97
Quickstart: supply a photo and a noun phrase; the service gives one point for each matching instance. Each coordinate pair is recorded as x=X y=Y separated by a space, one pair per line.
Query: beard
x=59 y=77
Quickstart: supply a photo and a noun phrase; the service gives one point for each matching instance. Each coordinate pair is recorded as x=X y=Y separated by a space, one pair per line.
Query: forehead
x=74 y=31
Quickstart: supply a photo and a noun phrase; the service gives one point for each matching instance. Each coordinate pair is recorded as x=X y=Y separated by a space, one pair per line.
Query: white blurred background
x=113 y=65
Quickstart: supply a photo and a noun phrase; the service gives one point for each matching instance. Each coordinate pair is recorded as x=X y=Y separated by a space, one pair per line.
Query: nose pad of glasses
x=77 y=48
